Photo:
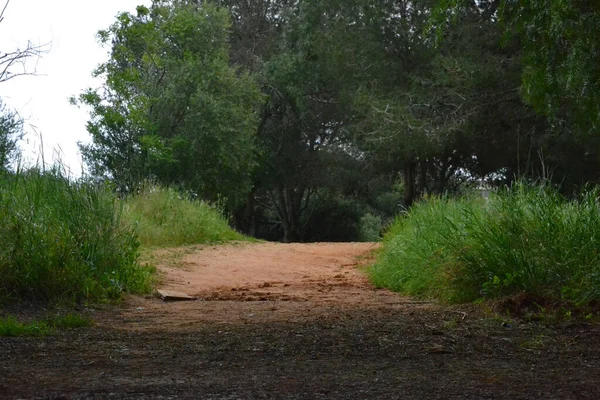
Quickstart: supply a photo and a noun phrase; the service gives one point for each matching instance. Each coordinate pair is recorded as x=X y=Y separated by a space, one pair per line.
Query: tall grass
x=63 y=240
x=527 y=239
x=164 y=217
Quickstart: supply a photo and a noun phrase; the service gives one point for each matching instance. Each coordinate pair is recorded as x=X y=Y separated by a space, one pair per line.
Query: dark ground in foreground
x=263 y=346
x=360 y=354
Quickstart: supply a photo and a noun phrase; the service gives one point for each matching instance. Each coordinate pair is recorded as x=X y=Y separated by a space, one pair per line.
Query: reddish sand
x=271 y=271
x=266 y=282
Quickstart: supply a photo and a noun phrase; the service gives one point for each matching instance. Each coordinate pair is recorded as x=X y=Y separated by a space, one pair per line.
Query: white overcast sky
x=70 y=27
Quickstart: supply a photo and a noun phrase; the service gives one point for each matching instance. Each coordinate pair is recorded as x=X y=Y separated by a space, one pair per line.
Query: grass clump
x=526 y=240
x=64 y=241
x=11 y=327
x=164 y=217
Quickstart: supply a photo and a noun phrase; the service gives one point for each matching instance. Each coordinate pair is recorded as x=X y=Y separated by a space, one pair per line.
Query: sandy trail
x=256 y=283
x=269 y=271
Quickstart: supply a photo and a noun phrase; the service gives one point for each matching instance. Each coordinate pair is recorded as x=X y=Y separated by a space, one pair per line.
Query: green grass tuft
x=69 y=321
x=164 y=218
x=12 y=327
x=524 y=240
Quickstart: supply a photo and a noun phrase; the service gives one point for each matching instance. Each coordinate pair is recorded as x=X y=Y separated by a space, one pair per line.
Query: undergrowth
x=164 y=217
x=525 y=240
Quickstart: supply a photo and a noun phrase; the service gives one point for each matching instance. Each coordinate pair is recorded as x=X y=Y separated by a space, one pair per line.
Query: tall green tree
x=304 y=131
x=442 y=111
x=172 y=107
x=560 y=54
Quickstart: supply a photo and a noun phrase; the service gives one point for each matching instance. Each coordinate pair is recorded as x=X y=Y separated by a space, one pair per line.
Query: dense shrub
x=64 y=240
x=369 y=228
x=527 y=239
x=333 y=218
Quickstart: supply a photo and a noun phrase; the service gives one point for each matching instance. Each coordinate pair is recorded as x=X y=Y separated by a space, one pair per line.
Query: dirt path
x=297 y=322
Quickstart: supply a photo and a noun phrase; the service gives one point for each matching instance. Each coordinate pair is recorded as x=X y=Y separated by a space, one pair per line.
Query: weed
x=536 y=342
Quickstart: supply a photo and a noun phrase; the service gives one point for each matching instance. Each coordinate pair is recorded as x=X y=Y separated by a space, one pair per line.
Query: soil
x=298 y=321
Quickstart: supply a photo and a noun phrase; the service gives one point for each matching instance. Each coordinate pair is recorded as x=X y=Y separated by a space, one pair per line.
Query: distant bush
x=333 y=218
x=164 y=217
x=369 y=228
x=527 y=239
x=64 y=241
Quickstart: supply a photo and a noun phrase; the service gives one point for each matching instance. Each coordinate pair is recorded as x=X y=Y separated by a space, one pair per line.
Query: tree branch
x=18 y=57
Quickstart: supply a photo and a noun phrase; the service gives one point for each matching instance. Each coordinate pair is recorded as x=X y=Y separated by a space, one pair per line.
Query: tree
x=559 y=47
x=11 y=131
x=172 y=108
x=304 y=127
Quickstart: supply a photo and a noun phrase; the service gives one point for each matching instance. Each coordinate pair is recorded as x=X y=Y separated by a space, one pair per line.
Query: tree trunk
x=422 y=186
x=250 y=214
x=408 y=175
x=289 y=210
x=291 y=233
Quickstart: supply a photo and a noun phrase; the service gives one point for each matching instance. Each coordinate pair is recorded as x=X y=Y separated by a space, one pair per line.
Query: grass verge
x=165 y=218
x=64 y=241
x=528 y=241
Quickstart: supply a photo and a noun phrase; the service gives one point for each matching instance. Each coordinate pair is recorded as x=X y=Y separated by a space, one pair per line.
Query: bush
x=333 y=218
x=527 y=239
x=64 y=240
x=369 y=228
x=164 y=217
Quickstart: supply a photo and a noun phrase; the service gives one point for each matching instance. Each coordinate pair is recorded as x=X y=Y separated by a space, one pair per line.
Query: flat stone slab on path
x=172 y=295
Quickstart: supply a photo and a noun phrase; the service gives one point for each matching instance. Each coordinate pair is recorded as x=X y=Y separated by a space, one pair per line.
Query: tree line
x=318 y=120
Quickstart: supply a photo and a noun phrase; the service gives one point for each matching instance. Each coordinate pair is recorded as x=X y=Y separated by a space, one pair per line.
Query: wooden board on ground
x=172 y=295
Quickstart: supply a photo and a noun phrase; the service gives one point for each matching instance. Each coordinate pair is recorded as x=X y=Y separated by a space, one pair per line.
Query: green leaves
x=11 y=131
x=561 y=52
x=169 y=82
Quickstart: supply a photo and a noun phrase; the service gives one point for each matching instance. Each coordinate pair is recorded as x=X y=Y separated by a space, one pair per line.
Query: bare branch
x=13 y=63
x=3 y=10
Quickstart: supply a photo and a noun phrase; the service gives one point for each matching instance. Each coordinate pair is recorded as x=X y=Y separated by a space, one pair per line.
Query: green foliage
x=527 y=239
x=333 y=218
x=11 y=131
x=369 y=228
x=64 y=241
x=561 y=56
x=165 y=217
x=12 y=327
x=272 y=104
x=69 y=321
x=172 y=108
x=561 y=52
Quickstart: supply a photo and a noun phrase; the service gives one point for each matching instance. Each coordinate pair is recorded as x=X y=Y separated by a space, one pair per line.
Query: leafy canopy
x=171 y=107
